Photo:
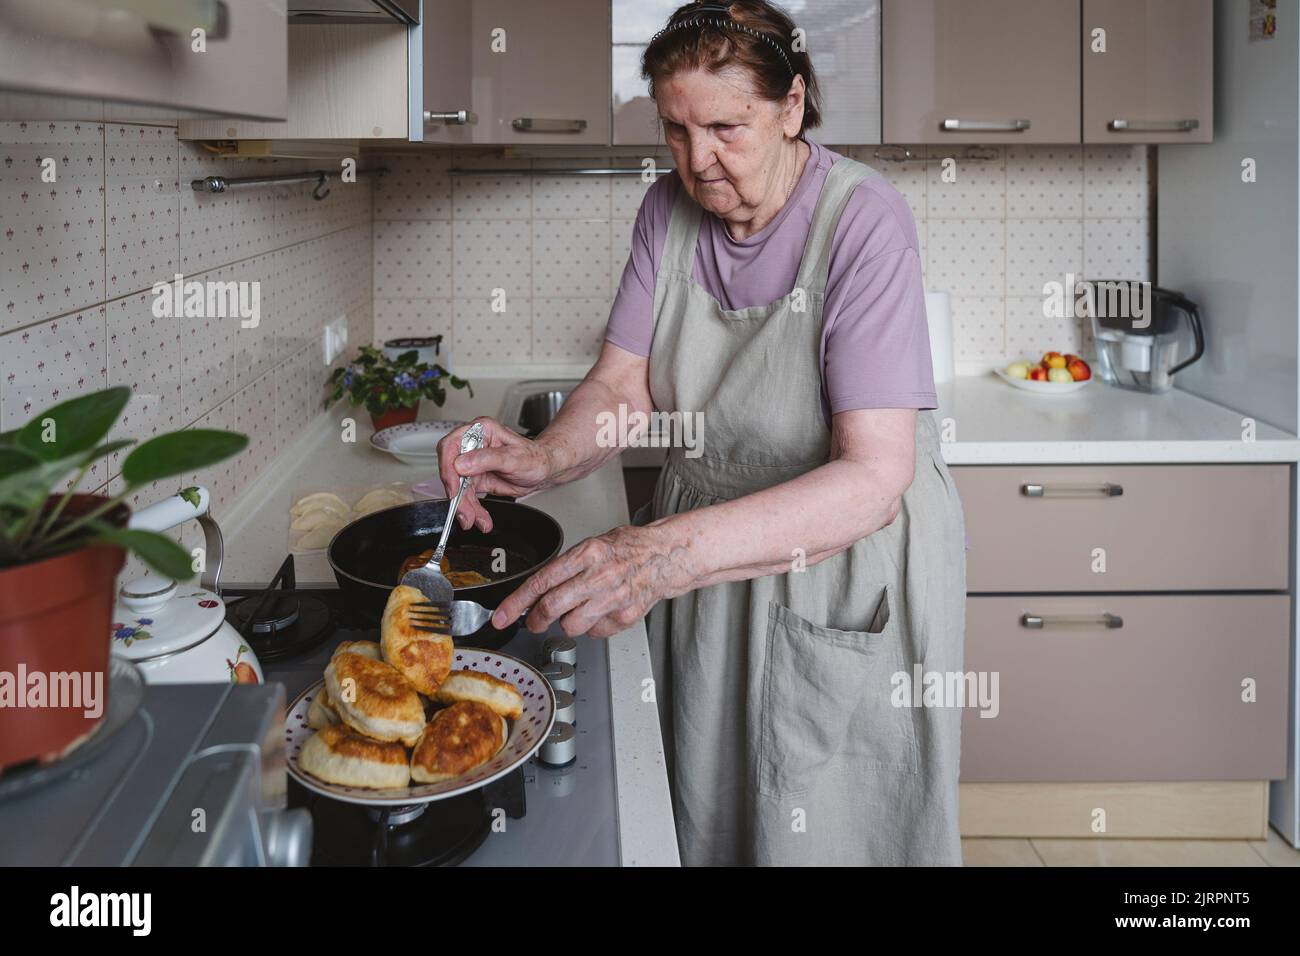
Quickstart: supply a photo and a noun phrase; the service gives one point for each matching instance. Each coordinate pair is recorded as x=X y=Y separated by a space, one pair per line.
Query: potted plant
x=391 y=389
x=60 y=553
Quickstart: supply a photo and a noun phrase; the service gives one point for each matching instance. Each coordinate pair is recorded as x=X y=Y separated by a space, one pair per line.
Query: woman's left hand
x=602 y=585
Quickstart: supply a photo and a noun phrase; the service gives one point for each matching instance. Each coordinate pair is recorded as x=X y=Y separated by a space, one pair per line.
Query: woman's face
x=726 y=140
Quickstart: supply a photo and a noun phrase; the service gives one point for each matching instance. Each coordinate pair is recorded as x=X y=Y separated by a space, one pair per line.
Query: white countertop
x=256 y=539
x=984 y=421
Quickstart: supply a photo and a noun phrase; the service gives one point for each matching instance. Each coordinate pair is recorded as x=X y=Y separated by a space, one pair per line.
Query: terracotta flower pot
x=395 y=416
x=55 y=616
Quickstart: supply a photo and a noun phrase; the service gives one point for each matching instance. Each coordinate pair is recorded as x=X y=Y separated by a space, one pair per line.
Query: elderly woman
x=807 y=553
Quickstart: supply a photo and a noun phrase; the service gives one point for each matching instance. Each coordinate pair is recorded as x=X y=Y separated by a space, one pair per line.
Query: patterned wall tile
x=491 y=255
x=416 y=186
x=144 y=352
x=413 y=259
x=1030 y=333
x=571 y=258
x=487 y=337
x=569 y=197
x=979 y=326
x=1041 y=251
x=979 y=190
x=1115 y=182
x=909 y=178
x=967 y=256
x=1117 y=249
x=1044 y=182
x=489 y=196
x=142 y=206
x=51 y=233
x=403 y=318
x=568 y=329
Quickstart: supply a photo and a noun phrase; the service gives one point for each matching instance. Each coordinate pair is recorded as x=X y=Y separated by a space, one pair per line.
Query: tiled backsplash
x=79 y=258
x=555 y=246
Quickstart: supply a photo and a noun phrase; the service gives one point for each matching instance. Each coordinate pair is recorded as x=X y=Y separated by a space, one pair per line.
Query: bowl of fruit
x=1056 y=373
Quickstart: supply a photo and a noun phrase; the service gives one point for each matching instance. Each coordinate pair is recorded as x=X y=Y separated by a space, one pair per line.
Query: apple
x=1054 y=360
x=1017 y=370
x=1059 y=375
x=1079 y=370
x=1038 y=374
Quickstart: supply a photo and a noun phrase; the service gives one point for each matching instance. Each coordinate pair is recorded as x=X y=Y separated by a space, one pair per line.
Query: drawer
x=1158 y=527
x=1158 y=697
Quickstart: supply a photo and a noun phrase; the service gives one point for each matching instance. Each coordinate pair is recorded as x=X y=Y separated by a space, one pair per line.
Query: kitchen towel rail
x=592 y=171
x=220 y=184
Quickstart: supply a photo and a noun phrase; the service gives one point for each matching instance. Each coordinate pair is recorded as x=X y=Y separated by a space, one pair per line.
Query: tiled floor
x=1273 y=851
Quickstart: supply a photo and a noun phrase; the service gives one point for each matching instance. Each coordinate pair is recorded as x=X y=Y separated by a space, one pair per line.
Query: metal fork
x=465 y=617
x=429 y=580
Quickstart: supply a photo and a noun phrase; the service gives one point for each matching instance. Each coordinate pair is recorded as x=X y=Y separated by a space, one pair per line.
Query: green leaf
x=190 y=494
x=74 y=426
x=179 y=452
x=156 y=550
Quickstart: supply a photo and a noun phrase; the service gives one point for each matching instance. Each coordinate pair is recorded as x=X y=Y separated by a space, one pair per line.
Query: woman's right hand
x=507 y=464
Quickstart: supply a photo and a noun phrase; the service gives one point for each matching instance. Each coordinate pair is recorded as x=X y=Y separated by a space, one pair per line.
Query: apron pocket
x=826 y=702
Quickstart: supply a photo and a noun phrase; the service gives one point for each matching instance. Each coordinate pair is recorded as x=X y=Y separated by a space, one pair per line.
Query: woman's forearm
x=805 y=520
x=571 y=440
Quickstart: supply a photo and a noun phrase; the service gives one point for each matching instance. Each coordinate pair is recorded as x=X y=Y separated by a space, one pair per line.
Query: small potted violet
x=391 y=388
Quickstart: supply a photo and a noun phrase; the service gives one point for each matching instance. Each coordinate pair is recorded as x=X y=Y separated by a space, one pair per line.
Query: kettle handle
x=1194 y=314
x=186 y=505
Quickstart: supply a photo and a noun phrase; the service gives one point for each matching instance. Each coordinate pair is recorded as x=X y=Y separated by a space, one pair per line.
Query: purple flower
x=427 y=374
x=404 y=381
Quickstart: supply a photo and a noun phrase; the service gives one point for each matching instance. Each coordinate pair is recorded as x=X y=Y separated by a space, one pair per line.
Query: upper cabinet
x=981 y=71
x=346 y=81
x=1148 y=71
x=841 y=36
x=211 y=56
x=506 y=72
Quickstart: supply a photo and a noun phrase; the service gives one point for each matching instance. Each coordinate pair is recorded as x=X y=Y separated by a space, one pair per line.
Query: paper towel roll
x=938 y=316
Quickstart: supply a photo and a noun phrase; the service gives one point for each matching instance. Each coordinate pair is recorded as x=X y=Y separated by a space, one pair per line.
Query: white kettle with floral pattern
x=178 y=633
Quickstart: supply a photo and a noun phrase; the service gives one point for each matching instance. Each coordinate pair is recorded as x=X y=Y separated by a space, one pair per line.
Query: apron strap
x=844 y=177
x=683 y=234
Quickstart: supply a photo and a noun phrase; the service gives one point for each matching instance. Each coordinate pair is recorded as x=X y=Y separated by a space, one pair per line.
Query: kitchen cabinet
x=1036 y=528
x=143 y=52
x=981 y=71
x=1154 y=80
x=843 y=39
x=346 y=81
x=1128 y=687
x=500 y=72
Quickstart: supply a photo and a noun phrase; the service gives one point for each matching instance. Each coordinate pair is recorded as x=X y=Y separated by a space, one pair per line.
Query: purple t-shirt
x=875 y=347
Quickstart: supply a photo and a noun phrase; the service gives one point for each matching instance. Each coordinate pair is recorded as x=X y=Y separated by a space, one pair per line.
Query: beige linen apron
x=774 y=694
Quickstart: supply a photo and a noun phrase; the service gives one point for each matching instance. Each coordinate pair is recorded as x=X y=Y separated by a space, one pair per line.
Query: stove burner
x=290 y=623
x=282 y=614
x=444 y=834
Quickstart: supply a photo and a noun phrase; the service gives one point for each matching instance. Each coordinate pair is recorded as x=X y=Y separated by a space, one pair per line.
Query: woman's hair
x=752 y=34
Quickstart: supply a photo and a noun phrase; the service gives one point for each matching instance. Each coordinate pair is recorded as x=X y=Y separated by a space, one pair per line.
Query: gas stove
x=557 y=813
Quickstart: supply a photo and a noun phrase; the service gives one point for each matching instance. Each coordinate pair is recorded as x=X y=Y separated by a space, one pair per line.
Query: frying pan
x=368 y=553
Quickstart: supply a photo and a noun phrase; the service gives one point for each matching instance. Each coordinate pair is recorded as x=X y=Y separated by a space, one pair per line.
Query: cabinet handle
x=1153 y=126
x=1069 y=489
x=527 y=124
x=1105 y=619
x=452 y=118
x=984 y=126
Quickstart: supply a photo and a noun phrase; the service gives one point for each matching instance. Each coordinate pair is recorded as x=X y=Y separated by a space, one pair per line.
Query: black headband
x=699 y=16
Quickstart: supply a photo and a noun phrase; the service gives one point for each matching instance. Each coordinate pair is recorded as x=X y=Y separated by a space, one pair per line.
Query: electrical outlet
x=334 y=339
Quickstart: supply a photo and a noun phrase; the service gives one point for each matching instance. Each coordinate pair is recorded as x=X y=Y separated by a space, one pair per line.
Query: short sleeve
x=631 y=323
x=876 y=343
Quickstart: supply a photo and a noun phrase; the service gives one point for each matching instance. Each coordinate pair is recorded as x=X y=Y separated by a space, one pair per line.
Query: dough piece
x=374 y=699
x=423 y=658
x=457 y=739
x=502 y=697
x=337 y=754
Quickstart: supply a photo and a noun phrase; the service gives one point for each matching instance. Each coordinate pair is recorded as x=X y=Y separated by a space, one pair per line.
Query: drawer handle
x=1069 y=489
x=452 y=117
x=1040 y=621
x=984 y=126
x=527 y=124
x=1153 y=126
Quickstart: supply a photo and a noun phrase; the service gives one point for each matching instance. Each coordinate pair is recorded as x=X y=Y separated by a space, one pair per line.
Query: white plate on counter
x=415 y=443
x=1042 y=388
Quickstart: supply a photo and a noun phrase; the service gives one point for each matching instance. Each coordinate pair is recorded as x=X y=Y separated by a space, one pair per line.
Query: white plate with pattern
x=525 y=737
x=415 y=443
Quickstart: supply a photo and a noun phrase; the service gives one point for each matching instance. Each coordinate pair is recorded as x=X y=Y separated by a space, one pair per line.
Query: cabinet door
x=842 y=36
x=540 y=71
x=132 y=51
x=981 y=71
x=1154 y=80
x=1127 y=687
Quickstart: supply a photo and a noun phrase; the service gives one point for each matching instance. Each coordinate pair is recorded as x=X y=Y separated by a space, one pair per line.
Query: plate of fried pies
x=412 y=718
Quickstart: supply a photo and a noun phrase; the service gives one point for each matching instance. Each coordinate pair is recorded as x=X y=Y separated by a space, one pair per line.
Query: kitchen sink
x=530 y=406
